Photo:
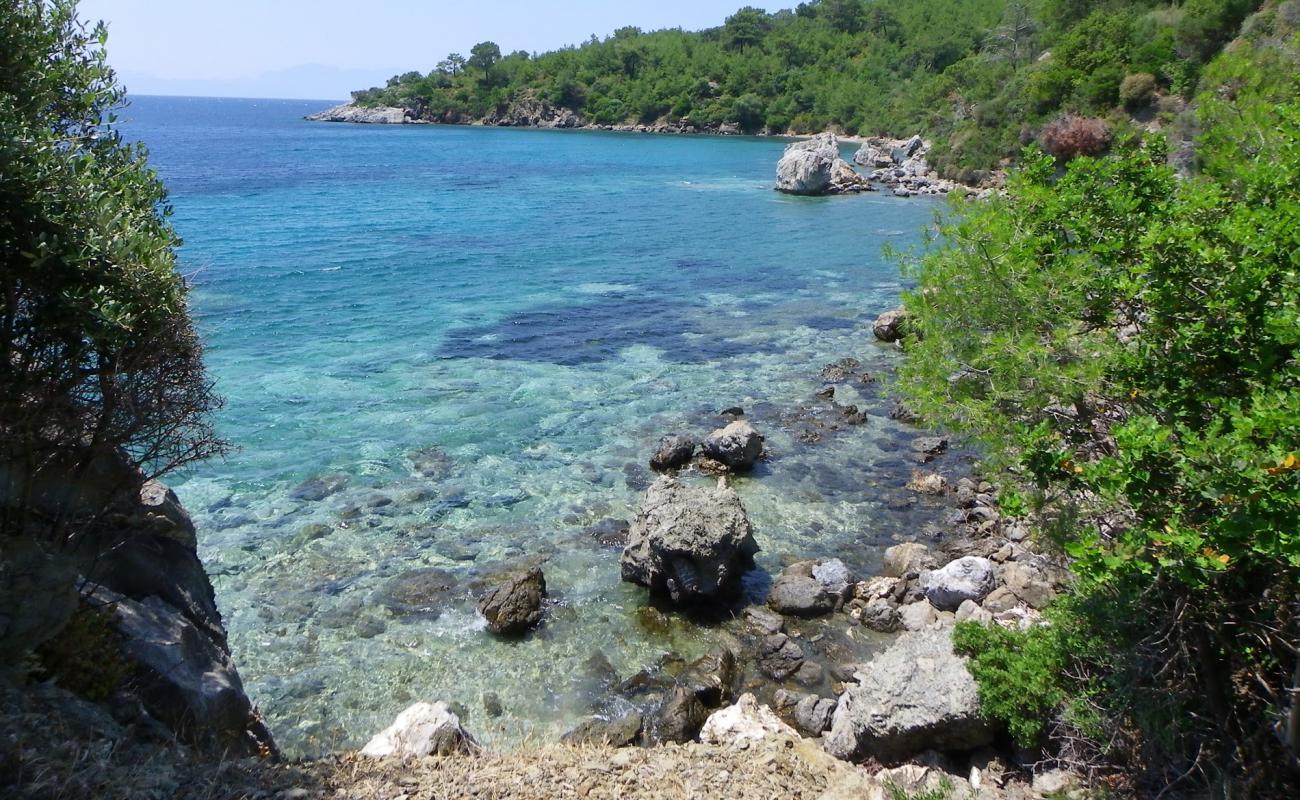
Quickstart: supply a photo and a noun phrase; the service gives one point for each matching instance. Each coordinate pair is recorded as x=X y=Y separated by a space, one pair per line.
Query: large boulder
x=917 y=695
x=678 y=719
x=810 y=588
x=423 y=729
x=689 y=543
x=745 y=722
x=814 y=167
x=737 y=446
x=969 y=578
x=515 y=605
x=623 y=731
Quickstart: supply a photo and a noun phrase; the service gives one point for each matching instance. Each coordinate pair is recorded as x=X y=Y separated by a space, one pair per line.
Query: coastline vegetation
x=1124 y=340
x=980 y=77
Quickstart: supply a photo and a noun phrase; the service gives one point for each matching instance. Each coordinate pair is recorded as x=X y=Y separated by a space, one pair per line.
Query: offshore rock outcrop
x=689 y=543
x=377 y=115
x=814 y=167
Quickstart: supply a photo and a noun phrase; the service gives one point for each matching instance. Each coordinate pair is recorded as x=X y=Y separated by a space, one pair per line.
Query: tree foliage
x=97 y=352
x=971 y=74
x=1126 y=342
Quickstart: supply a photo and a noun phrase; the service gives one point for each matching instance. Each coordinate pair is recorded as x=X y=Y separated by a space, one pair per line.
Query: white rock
x=969 y=578
x=917 y=616
x=746 y=721
x=421 y=730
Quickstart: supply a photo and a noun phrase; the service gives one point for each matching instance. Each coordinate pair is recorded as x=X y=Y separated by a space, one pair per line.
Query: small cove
x=478 y=335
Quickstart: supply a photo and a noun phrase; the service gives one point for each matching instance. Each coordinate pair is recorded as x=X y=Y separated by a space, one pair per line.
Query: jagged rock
x=906 y=150
x=917 y=616
x=764 y=621
x=869 y=155
x=347 y=112
x=618 y=732
x=916 y=695
x=516 y=605
x=814 y=167
x=689 y=543
x=833 y=575
x=971 y=611
x=969 y=578
x=907 y=559
x=746 y=721
x=679 y=719
x=422 y=729
x=1000 y=600
x=879 y=615
x=813 y=714
x=712 y=678
x=779 y=656
x=891 y=325
x=737 y=445
x=673 y=451
x=930 y=446
x=183 y=677
x=1027 y=583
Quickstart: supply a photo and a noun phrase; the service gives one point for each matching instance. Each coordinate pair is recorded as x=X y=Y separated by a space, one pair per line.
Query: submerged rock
x=737 y=446
x=319 y=487
x=917 y=695
x=421 y=730
x=516 y=604
x=418 y=592
x=672 y=452
x=689 y=543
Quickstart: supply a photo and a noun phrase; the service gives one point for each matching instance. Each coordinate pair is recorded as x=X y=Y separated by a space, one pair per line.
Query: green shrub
x=1020 y=676
x=1137 y=91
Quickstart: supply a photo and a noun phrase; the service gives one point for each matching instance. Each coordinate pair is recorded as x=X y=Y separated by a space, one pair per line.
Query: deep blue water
x=484 y=331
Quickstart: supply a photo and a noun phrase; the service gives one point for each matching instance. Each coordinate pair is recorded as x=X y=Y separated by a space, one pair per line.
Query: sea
x=448 y=352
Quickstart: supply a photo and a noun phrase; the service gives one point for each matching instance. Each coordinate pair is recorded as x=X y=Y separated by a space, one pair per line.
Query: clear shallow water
x=483 y=332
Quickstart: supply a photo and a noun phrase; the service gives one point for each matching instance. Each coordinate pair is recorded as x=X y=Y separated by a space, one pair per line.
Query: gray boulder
x=870 y=155
x=969 y=578
x=689 y=543
x=779 y=656
x=814 y=167
x=800 y=595
x=907 y=559
x=917 y=695
x=516 y=605
x=673 y=451
x=736 y=446
x=678 y=719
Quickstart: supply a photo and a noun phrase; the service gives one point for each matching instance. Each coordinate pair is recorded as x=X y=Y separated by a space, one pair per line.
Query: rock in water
x=796 y=591
x=917 y=695
x=891 y=325
x=969 y=578
x=737 y=446
x=689 y=543
x=746 y=721
x=421 y=730
x=679 y=718
x=515 y=605
x=814 y=167
x=673 y=451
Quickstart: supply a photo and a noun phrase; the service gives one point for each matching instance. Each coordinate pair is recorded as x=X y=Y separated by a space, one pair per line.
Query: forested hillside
x=979 y=76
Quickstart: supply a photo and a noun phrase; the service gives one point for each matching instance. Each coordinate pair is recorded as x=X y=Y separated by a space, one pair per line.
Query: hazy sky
x=260 y=47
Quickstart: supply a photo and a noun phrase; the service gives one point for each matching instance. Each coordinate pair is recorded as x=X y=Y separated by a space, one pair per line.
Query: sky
x=322 y=49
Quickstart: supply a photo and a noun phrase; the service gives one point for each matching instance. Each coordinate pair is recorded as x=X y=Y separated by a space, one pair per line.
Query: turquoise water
x=481 y=333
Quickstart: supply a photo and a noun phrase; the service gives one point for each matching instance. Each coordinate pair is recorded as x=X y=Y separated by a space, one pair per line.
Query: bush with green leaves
x=1125 y=343
x=98 y=356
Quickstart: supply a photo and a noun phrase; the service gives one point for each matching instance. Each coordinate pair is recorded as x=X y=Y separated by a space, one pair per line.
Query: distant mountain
x=305 y=82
